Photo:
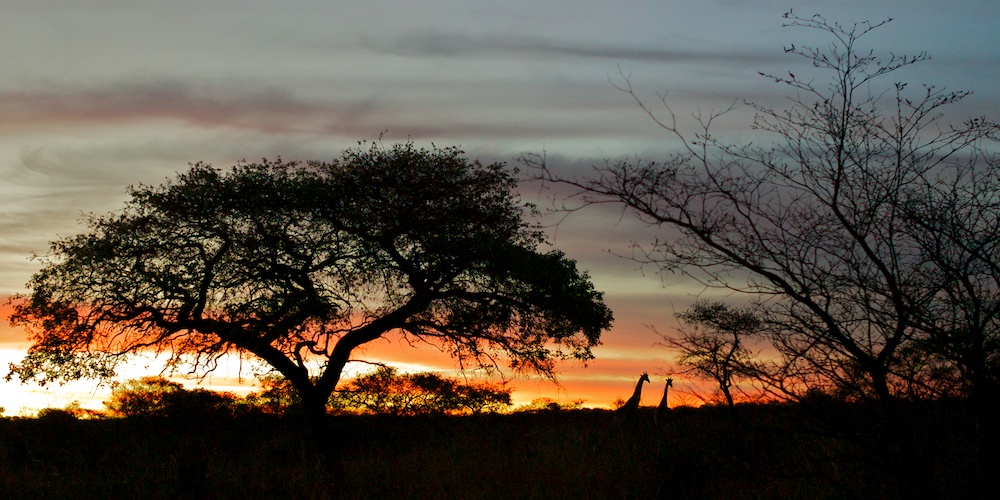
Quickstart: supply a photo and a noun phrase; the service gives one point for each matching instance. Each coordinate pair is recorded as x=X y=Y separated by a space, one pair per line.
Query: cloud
x=267 y=109
x=442 y=110
x=436 y=44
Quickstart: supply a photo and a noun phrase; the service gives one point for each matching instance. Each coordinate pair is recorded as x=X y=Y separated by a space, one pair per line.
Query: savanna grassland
x=764 y=451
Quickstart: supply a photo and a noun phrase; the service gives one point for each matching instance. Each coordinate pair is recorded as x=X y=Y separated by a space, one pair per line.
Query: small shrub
x=56 y=415
x=159 y=397
x=549 y=404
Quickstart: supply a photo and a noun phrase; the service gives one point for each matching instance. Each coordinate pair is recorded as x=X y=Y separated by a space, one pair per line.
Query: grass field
x=768 y=451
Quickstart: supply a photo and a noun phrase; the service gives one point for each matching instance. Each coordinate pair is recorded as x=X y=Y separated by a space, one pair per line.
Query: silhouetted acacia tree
x=299 y=265
x=712 y=344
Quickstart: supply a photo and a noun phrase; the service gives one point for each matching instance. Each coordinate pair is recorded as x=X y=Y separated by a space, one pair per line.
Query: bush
x=56 y=415
x=159 y=397
x=387 y=392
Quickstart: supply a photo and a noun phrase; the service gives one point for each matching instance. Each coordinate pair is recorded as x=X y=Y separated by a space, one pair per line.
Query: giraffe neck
x=633 y=402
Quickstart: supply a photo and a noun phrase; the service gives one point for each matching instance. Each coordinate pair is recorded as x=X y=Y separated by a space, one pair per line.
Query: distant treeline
x=384 y=391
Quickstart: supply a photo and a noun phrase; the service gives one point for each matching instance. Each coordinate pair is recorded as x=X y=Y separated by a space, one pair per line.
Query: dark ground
x=765 y=451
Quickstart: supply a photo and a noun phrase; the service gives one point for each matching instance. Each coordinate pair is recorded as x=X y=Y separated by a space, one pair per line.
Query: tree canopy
x=711 y=344
x=299 y=265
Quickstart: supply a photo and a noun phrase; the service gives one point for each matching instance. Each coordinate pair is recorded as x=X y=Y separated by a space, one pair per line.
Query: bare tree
x=818 y=228
x=812 y=227
x=956 y=219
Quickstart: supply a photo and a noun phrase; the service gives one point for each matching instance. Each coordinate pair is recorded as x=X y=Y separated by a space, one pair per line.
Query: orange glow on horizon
x=612 y=375
x=598 y=385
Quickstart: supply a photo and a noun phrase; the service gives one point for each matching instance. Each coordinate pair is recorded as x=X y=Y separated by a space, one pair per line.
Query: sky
x=96 y=95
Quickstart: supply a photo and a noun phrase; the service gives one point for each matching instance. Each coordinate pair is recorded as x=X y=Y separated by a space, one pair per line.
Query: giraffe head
x=670 y=382
x=644 y=377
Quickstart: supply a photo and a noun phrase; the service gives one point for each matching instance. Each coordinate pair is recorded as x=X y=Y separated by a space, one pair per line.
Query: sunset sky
x=97 y=95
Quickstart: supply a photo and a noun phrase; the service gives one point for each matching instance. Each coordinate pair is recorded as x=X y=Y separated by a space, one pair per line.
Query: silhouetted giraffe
x=624 y=416
x=661 y=409
x=631 y=406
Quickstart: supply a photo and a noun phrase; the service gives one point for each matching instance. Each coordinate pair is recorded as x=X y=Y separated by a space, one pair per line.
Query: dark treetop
x=299 y=265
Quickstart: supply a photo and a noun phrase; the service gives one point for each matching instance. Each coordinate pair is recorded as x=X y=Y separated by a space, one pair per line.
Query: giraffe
x=625 y=415
x=631 y=406
x=661 y=409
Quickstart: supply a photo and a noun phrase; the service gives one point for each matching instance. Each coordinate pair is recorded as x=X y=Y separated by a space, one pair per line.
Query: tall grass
x=748 y=452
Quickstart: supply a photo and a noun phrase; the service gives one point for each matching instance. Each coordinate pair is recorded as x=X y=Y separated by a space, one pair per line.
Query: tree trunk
x=913 y=468
x=324 y=441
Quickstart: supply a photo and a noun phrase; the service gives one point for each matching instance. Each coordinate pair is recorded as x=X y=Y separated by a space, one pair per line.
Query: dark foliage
x=300 y=265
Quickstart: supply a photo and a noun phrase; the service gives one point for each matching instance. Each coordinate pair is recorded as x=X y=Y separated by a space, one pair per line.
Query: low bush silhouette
x=388 y=392
x=385 y=391
x=159 y=397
